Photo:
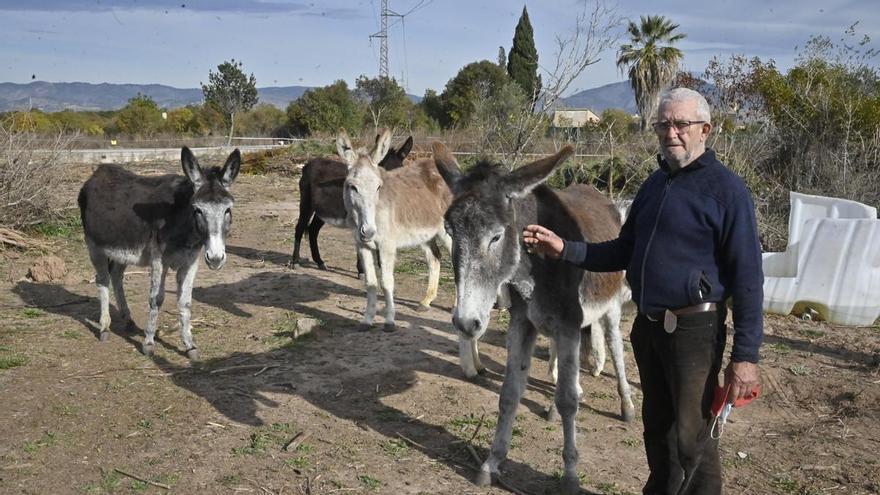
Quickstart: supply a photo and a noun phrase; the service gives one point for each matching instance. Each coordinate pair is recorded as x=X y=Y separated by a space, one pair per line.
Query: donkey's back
x=122 y=212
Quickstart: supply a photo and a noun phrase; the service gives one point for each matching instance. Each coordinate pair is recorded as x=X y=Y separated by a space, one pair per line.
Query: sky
x=314 y=43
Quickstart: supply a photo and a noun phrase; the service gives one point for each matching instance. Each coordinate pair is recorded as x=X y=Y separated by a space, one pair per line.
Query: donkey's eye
x=495 y=238
x=352 y=188
x=228 y=213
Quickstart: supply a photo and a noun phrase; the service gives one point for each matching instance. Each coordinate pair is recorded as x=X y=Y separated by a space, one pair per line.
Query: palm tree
x=652 y=66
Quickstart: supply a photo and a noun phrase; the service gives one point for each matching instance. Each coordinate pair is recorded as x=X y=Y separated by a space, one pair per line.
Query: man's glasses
x=679 y=125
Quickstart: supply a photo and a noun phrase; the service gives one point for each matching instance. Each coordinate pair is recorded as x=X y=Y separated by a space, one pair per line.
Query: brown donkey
x=392 y=210
x=486 y=220
x=320 y=199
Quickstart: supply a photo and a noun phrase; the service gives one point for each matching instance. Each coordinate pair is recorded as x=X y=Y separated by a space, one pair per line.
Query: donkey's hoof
x=147 y=349
x=193 y=354
x=551 y=414
x=483 y=478
x=389 y=328
x=571 y=485
x=291 y=264
x=104 y=335
x=628 y=412
x=361 y=276
x=422 y=307
x=322 y=266
x=364 y=327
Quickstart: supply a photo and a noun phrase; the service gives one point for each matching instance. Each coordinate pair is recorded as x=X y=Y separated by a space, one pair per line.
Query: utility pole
x=383 y=36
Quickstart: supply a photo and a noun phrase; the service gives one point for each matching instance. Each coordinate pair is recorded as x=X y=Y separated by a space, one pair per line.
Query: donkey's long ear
x=191 y=167
x=521 y=181
x=344 y=148
x=380 y=148
x=230 y=169
x=405 y=148
x=445 y=163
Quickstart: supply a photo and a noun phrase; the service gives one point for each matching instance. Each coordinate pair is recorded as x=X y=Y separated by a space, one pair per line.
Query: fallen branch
x=142 y=480
x=242 y=367
x=296 y=440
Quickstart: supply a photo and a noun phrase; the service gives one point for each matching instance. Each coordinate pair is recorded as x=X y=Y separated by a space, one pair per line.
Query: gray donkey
x=162 y=222
x=392 y=210
x=486 y=219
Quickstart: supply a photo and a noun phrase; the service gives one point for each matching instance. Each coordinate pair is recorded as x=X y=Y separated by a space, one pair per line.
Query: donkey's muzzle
x=366 y=234
x=215 y=262
x=469 y=327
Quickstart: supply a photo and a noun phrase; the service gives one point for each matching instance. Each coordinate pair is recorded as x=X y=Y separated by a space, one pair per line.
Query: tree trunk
x=231 y=128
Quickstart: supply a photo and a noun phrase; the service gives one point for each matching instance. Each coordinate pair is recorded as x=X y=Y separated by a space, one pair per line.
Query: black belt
x=697 y=308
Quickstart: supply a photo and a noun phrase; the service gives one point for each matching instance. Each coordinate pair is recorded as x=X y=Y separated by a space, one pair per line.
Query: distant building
x=574 y=118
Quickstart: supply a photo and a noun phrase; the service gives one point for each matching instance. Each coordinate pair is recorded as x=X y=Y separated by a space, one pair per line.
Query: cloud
x=309 y=9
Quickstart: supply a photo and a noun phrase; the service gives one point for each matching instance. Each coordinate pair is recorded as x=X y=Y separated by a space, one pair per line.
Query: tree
x=652 y=65
x=432 y=106
x=324 y=110
x=183 y=122
x=263 y=120
x=522 y=62
x=140 y=116
x=230 y=91
x=502 y=57
x=473 y=82
x=385 y=101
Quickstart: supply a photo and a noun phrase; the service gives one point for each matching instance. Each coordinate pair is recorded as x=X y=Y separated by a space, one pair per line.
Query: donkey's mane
x=484 y=172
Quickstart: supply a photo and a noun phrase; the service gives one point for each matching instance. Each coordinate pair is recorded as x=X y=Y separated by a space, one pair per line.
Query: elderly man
x=689 y=243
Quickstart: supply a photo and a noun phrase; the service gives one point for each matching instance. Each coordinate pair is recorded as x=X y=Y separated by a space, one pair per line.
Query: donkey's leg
x=387 y=256
x=117 y=274
x=314 y=228
x=372 y=287
x=469 y=357
x=305 y=214
x=360 y=266
x=157 y=297
x=553 y=370
x=102 y=280
x=520 y=344
x=568 y=349
x=611 y=322
x=594 y=348
x=186 y=276
x=432 y=255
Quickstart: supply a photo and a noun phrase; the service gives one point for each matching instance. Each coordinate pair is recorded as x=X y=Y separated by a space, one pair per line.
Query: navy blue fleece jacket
x=690 y=237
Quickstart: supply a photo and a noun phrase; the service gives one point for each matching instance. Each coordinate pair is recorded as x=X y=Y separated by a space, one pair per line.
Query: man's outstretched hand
x=539 y=240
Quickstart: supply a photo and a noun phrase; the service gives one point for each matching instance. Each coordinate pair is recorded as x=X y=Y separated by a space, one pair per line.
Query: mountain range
x=52 y=97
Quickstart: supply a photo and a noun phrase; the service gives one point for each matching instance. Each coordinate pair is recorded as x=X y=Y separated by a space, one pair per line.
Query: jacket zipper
x=651 y=238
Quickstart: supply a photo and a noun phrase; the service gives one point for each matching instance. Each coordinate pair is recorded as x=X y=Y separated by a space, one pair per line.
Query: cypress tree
x=522 y=62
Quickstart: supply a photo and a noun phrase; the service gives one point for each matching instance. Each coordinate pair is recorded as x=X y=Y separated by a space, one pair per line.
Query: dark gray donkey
x=486 y=219
x=161 y=222
x=320 y=199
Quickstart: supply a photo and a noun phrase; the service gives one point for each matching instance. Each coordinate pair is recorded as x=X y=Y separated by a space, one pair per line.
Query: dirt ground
x=376 y=412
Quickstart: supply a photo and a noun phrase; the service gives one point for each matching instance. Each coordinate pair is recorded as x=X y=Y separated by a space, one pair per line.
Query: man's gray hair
x=676 y=95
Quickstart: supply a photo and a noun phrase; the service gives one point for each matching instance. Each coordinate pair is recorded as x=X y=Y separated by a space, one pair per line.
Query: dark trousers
x=679 y=372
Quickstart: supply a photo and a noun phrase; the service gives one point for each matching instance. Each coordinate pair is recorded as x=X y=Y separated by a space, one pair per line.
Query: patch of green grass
x=32 y=312
x=109 y=482
x=395 y=448
x=65 y=409
x=13 y=361
x=369 y=481
x=305 y=448
x=47 y=440
x=410 y=265
x=785 y=484
x=779 y=347
x=64 y=227
x=264 y=438
x=71 y=334
x=813 y=334
x=612 y=489
x=300 y=462
x=168 y=479
x=145 y=424
x=138 y=486
x=285 y=330
x=631 y=442
x=800 y=370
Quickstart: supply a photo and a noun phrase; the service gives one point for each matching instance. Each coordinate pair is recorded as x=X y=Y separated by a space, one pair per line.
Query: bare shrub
x=30 y=171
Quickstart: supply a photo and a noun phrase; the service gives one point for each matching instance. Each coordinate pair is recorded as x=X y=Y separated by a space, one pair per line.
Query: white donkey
x=390 y=210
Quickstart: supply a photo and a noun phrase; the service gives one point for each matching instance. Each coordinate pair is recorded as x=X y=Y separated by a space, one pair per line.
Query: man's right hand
x=541 y=240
